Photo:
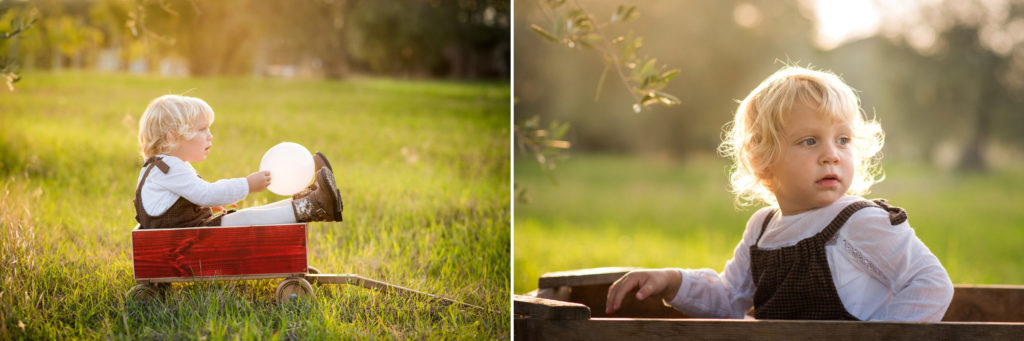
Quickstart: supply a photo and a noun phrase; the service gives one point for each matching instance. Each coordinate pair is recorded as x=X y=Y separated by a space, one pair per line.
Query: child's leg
x=280 y=212
x=285 y=202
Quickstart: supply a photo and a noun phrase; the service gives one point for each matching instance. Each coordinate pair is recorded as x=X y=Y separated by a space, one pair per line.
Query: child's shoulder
x=174 y=167
x=877 y=221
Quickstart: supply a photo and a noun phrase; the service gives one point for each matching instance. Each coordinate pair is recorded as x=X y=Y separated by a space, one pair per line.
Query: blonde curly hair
x=169 y=119
x=753 y=140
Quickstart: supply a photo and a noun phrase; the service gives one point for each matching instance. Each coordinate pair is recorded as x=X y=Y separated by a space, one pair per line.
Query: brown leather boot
x=319 y=161
x=323 y=203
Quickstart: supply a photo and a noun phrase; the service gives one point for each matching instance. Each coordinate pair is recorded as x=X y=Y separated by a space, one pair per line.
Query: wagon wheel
x=310 y=270
x=143 y=293
x=293 y=288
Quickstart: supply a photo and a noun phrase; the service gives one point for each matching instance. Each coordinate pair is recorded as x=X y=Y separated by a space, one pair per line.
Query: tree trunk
x=973 y=157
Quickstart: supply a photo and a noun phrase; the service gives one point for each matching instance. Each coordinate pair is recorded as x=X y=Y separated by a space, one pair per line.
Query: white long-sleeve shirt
x=162 y=190
x=881 y=272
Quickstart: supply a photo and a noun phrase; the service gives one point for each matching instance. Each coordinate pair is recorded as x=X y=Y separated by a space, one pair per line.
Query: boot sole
x=320 y=156
x=335 y=195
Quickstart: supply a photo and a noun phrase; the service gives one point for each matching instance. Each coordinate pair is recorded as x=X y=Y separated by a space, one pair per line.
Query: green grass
x=614 y=210
x=423 y=168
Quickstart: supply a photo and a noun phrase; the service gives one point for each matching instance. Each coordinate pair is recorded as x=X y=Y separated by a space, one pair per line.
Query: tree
x=19 y=22
x=971 y=49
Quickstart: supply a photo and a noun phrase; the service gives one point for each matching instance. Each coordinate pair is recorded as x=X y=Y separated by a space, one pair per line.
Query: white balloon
x=291 y=168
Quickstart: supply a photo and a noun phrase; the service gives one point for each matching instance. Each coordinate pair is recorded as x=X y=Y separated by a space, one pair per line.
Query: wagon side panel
x=219 y=252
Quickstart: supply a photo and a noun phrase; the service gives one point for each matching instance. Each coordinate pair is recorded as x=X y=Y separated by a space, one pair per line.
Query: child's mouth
x=830 y=180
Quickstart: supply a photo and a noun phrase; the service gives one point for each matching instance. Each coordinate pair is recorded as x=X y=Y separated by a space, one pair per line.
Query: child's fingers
x=618 y=291
x=649 y=288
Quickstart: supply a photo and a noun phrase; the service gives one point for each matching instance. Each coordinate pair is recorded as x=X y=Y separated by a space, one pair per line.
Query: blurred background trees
x=945 y=78
x=458 y=39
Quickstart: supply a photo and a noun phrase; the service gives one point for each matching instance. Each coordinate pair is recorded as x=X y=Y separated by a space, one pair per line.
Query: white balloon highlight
x=291 y=168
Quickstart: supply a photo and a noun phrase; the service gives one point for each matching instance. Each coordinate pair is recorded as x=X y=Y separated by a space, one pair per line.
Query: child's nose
x=830 y=154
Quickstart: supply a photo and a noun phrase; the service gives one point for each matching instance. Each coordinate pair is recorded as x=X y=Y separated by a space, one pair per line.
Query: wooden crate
x=569 y=305
x=219 y=253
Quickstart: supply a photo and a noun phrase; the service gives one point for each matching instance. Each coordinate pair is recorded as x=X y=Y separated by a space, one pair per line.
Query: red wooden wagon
x=215 y=253
x=569 y=305
x=221 y=253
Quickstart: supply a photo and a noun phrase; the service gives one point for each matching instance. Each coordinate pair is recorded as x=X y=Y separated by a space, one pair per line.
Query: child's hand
x=653 y=282
x=258 y=181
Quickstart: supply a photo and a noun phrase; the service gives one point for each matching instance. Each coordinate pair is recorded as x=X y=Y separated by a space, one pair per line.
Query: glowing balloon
x=291 y=168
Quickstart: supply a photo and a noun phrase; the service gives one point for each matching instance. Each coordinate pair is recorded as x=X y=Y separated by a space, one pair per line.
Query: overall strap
x=842 y=217
x=765 y=225
x=152 y=161
x=896 y=215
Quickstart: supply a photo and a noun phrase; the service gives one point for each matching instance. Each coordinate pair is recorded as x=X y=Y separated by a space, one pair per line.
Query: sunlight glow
x=839 y=21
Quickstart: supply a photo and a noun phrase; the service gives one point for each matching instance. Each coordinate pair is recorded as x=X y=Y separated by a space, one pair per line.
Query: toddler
x=800 y=144
x=175 y=131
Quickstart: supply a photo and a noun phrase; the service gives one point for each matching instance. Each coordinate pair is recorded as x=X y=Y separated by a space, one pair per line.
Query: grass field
x=613 y=210
x=423 y=168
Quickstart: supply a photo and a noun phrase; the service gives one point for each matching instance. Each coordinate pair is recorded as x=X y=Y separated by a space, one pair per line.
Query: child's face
x=815 y=166
x=196 y=148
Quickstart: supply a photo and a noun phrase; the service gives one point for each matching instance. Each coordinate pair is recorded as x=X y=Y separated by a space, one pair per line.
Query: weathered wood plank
x=987 y=303
x=711 y=329
x=541 y=308
x=582 y=277
x=982 y=303
x=223 y=251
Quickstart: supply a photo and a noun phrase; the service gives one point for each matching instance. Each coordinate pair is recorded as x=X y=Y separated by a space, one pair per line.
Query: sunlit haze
x=841 y=20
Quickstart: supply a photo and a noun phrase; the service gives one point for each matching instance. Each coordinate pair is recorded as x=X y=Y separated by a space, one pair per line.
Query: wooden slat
x=540 y=308
x=711 y=329
x=233 y=252
x=982 y=303
x=582 y=277
x=987 y=303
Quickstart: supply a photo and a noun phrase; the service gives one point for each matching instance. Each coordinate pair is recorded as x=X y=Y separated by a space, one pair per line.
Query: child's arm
x=700 y=292
x=921 y=288
x=183 y=181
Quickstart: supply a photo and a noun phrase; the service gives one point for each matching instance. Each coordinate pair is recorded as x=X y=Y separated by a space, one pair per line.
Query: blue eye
x=808 y=142
x=844 y=141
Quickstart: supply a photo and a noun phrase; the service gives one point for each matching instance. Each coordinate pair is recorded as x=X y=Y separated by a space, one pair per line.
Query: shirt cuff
x=680 y=301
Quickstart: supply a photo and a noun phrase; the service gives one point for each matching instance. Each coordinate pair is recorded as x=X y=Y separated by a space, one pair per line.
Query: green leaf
x=631 y=14
x=666 y=98
x=544 y=34
x=648 y=99
x=648 y=67
x=667 y=76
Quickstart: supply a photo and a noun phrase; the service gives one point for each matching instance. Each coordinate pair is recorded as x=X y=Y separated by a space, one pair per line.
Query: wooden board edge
x=542 y=308
x=711 y=329
x=606 y=275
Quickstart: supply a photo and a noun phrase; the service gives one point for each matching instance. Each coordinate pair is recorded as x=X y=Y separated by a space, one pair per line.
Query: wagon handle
x=352 y=279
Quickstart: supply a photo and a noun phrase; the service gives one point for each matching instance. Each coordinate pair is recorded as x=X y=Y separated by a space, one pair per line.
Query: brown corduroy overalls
x=795 y=282
x=183 y=213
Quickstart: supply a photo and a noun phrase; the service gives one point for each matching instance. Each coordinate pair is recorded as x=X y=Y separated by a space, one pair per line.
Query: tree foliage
x=18 y=23
x=571 y=25
x=440 y=38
